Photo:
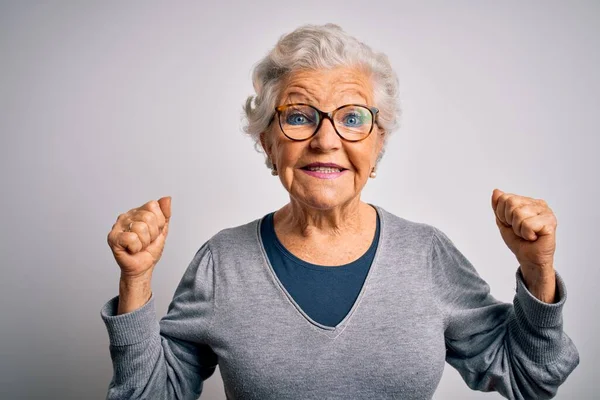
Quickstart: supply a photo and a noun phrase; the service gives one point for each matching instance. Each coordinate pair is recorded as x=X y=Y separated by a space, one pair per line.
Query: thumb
x=165 y=207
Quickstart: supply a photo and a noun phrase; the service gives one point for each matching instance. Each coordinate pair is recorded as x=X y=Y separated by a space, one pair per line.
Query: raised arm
x=169 y=359
x=519 y=350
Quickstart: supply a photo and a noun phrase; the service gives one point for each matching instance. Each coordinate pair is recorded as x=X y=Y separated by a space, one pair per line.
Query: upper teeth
x=324 y=169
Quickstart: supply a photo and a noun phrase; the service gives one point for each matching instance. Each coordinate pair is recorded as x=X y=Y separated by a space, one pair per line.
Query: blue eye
x=353 y=120
x=297 y=118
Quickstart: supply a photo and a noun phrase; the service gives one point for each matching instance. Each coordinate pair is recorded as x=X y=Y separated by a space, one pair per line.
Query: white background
x=106 y=105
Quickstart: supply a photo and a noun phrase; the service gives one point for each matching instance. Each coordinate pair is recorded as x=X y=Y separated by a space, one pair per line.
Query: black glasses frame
x=322 y=116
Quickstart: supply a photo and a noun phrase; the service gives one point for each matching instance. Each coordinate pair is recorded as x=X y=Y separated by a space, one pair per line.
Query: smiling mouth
x=326 y=170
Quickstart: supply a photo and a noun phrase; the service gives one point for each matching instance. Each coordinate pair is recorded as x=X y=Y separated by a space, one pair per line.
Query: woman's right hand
x=137 y=250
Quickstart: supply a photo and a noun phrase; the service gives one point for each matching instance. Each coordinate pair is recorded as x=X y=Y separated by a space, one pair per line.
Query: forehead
x=328 y=88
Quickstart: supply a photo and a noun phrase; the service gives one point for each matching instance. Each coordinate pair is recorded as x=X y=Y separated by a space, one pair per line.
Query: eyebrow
x=356 y=90
x=309 y=98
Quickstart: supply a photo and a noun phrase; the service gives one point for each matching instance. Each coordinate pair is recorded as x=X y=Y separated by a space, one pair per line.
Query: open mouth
x=325 y=170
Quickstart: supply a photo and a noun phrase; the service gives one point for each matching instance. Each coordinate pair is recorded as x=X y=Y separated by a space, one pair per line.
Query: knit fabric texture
x=422 y=304
x=325 y=294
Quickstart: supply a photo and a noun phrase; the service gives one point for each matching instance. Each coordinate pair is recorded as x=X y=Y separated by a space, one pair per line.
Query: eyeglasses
x=300 y=121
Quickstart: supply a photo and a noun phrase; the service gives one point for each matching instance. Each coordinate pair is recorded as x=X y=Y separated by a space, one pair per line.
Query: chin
x=322 y=202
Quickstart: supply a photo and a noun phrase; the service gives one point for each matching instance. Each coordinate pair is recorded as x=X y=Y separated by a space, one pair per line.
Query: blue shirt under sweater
x=423 y=302
x=326 y=294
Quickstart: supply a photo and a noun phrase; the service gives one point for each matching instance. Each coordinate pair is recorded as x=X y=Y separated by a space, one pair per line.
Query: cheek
x=278 y=152
x=288 y=154
x=276 y=146
x=374 y=152
x=364 y=157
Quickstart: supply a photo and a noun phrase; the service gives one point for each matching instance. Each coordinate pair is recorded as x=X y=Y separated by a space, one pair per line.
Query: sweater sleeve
x=168 y=359
x=519 y=350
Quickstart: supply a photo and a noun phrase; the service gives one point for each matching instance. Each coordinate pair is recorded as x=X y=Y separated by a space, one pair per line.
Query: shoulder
x=395 y=226
x=237 y=237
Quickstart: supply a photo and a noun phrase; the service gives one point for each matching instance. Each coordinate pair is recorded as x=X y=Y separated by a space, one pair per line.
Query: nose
x=326 y=138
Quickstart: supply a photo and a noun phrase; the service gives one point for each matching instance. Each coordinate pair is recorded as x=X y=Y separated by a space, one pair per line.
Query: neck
x=306 y=221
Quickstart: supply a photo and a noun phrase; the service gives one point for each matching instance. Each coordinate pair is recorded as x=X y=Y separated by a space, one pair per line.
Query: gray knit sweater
x=422 y=304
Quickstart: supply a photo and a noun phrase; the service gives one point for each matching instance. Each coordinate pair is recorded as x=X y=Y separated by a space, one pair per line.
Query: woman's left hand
x=528 y=227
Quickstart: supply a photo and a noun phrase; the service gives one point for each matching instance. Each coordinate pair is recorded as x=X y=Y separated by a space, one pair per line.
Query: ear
x=381 y=137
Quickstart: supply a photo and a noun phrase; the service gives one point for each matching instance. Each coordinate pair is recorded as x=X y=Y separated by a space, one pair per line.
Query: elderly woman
x=330 y=297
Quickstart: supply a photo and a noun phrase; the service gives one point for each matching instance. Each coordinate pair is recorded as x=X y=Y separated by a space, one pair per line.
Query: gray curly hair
x=319 y=47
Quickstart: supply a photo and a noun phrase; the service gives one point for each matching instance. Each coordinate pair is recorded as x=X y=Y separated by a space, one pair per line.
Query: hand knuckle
x=150 y=205
x=121 y=240
x=142 y=227
x=518 y=214
x=512 y=201
x=148 y=217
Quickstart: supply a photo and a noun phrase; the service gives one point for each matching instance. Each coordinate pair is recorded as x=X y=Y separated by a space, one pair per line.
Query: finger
x=496 y=193
x=512 y=203
x=508 y=204
x=128 y=241
x=149 y=218
x=154 y=207
x=501 y=208
x=156 y=247
x=121 y=239
x=111 y=238
x=521 y=213
x=122 y=221
x=165 y=230
x=125 y=222
x=141 y=229
x=165 y=206
x=539 y=225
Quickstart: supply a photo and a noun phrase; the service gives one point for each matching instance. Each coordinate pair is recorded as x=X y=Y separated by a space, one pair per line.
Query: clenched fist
x=138 y=237
x=528 y=227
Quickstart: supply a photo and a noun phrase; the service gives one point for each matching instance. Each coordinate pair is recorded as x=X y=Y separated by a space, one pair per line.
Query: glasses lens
x=299 y=121
x=353 y=122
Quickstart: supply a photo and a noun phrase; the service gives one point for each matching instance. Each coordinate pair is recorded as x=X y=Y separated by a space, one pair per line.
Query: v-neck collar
x=330 y=331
